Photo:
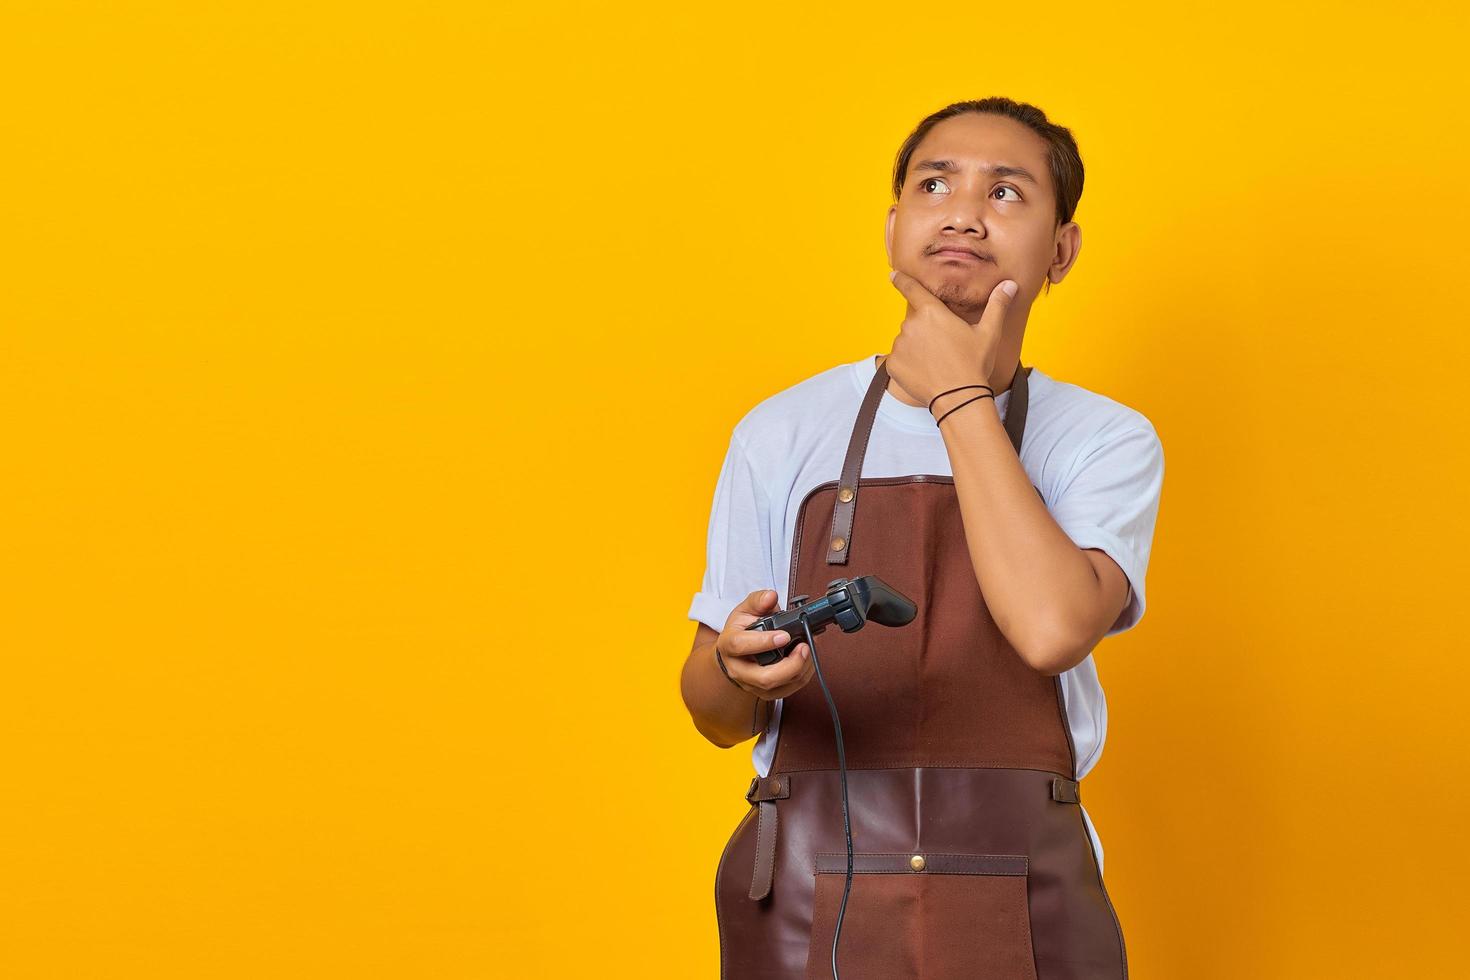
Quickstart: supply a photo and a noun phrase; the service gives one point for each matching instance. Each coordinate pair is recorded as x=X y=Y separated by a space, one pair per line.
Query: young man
x=1017 y=511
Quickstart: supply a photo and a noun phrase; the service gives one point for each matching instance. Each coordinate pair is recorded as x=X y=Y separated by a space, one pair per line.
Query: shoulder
x=1085 y=419
x=792 y=415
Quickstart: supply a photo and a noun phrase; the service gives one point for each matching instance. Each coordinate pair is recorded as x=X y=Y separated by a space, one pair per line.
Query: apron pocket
x=928 y=916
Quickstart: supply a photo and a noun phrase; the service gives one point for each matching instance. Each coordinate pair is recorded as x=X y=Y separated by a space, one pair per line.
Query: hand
x=737 y=645
x=936 y=349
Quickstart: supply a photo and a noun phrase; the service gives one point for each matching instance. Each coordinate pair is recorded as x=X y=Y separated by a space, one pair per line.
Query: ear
x=888 y=233
x=1069 y=243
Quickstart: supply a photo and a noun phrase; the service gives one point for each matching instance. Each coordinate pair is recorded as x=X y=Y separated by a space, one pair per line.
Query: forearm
x=723 y=713
x=1030 y=572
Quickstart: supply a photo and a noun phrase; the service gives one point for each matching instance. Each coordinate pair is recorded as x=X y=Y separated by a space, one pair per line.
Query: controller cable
x=842 y=768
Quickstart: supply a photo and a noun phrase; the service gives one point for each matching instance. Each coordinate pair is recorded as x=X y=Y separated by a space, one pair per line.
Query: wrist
x=943 y=403
x=725 y=670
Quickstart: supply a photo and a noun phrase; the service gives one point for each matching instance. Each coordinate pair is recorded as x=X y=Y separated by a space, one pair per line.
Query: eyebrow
x=999 y=170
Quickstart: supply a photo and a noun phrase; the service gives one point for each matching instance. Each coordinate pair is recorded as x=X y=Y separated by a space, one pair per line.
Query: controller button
x=845 y=494
x=838 y=544
x=917 y=862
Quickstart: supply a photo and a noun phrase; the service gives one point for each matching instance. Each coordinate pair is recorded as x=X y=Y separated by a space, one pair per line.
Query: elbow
x=1051 y=664
x=714 y=738
x=687 y=693
x=1053 y=651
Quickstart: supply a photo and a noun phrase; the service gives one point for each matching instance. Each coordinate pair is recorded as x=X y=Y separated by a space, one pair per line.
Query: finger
x=751 y=608
x=748 y=643
x=778 y=675
x=803 y=653
x=801 y=679
x=996 y=306
x=757 y=602
x=913 y=290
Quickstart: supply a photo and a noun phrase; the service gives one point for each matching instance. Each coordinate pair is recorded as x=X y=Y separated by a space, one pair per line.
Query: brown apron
x=970 y=855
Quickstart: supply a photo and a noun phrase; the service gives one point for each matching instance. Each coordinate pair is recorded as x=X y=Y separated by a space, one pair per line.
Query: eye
x=1006 y=187
x=929 y=180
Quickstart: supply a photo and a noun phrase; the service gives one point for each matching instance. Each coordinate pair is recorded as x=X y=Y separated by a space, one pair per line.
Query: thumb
x=999 y=302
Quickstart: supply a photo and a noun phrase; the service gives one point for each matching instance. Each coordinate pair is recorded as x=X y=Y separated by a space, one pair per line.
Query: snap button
x=838 y=544
x=845 y=494
x=917 y=862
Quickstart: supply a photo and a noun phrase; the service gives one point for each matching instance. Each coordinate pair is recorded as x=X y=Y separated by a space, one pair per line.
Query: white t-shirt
x=1098 y=464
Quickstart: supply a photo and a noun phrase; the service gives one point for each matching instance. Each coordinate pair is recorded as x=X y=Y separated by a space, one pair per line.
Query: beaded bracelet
x=960 y=406
x=960 y=388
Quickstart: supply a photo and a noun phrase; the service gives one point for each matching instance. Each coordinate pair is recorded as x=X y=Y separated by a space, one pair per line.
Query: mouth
x=960 y=254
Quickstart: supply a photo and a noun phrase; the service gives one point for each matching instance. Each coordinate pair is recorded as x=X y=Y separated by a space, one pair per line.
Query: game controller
x=849 y=603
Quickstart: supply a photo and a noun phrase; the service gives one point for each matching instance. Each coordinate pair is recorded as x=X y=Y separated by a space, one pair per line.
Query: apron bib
x=970 y=855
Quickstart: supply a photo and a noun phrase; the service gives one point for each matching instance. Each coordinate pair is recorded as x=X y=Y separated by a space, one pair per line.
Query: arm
x=728 y=710
x=738 y=559
x=1052 y=600
x=723 y=713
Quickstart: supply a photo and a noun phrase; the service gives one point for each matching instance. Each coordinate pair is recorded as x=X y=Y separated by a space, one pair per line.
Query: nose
x=966 y=209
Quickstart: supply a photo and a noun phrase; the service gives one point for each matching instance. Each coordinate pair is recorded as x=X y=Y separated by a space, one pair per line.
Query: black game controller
x=848 y=602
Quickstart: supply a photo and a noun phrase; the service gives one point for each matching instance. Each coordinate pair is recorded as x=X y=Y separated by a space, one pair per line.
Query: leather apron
x=970 y=854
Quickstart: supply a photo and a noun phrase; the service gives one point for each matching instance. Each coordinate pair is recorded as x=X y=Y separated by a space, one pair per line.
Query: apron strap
x=839 y=545
x=765 y=792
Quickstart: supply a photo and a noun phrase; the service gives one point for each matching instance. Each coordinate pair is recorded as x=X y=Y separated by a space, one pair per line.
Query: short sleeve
x=1110 y=501
x=738 y=550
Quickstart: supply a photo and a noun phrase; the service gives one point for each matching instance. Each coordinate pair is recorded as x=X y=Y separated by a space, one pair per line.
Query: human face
x=979 y=182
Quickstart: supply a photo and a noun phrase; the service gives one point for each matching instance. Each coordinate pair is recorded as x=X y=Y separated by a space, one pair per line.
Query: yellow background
x=366 y=370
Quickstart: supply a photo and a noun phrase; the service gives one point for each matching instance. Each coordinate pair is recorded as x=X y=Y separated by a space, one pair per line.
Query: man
x=1017 y=511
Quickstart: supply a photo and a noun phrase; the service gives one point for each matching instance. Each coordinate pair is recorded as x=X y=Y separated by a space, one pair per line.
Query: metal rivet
x=838 y=544
x=917 y=862
x=845 y=494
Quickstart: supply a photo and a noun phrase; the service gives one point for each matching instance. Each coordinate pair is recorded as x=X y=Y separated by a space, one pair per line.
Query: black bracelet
x=721 y=661
x=960 y=406
x=960 y=388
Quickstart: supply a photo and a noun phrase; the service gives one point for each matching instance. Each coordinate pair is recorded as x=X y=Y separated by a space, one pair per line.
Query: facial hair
x=962 y=297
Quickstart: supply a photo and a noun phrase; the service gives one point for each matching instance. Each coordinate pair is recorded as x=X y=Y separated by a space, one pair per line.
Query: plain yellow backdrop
x=366 y=370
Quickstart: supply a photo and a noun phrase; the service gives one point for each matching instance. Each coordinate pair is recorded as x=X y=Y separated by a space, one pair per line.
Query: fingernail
x=1008 y=287
x=780 y=638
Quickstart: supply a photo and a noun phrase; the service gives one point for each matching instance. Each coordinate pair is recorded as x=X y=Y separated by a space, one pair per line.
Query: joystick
x=849 y=603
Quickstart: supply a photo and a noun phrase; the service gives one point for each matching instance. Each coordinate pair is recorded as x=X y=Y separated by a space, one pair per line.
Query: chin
x=964 y=296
